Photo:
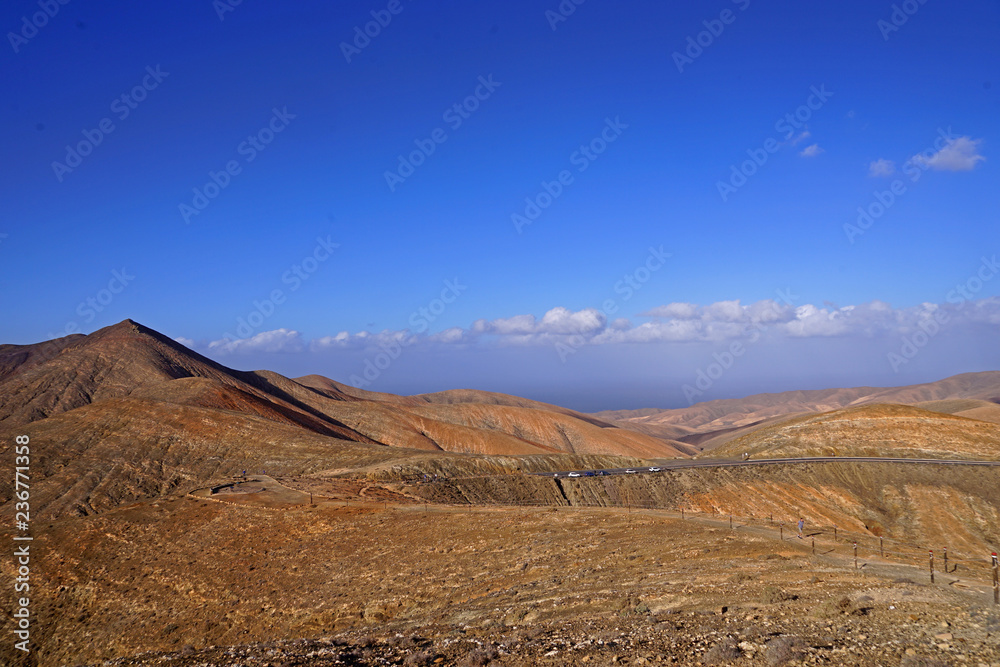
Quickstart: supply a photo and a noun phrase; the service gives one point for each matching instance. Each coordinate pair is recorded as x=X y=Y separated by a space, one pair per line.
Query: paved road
x=730 y=463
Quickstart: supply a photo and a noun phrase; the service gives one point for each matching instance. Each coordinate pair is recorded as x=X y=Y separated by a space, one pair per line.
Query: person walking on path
x=801 y=523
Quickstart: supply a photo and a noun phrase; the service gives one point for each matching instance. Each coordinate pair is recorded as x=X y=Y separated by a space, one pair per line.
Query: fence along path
x=983 y=569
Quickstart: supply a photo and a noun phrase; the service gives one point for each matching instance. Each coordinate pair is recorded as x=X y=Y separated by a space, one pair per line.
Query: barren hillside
x=885 y=430
x=713 y=423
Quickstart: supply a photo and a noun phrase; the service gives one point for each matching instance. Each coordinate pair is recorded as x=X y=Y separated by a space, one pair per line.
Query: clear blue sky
x=213 y=85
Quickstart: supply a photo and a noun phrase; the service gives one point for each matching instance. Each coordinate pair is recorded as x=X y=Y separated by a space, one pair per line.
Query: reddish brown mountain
x=126 y=413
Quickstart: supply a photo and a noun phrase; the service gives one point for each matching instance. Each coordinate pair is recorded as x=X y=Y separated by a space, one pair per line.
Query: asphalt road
x=731 y=463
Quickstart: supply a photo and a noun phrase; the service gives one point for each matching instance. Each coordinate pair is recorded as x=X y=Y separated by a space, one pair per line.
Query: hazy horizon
x=594 y=205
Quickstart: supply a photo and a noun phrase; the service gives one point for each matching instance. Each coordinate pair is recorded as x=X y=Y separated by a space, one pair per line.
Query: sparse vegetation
x=420 y=659
x=723 y=653
x=781 y=650
x=479 y=657
x=774 y=595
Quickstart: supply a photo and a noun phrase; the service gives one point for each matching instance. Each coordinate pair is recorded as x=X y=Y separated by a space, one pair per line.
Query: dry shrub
x=420 y=659
x=840 y=606
x=479 y=657
x=783 y=649
x=723 y=653
x=773 y=595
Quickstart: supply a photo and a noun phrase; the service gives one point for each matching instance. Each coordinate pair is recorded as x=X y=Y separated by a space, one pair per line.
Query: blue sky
x=218 y=155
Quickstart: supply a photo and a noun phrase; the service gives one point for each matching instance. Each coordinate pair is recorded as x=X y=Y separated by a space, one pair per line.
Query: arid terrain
x=233 y=578
x=379 y=529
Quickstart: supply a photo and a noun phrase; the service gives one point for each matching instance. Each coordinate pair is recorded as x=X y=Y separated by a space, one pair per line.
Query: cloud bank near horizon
x=671 y=355
x=670 y=323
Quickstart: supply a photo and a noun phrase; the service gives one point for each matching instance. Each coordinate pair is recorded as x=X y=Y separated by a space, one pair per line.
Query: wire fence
x=860 y=545
x=863 y=545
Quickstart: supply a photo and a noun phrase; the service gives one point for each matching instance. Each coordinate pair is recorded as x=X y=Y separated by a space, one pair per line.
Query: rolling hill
x=880 y=429
x=127 y=413
x=711 y=424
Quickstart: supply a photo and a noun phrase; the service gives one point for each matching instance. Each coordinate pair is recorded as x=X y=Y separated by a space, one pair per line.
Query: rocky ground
x=264 y=579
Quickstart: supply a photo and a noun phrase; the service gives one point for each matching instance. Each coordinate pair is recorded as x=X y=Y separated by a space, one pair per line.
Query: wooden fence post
x=881 y=550
x=932 y=565
x=996 y=581
x=814 y=546
x=946 y=560
x=855 y=555
x=834 y=533
x=781 y=533
x=730 y=522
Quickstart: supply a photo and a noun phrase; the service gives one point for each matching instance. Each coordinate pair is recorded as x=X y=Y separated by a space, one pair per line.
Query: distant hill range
x=127 y=413
x=710 y=425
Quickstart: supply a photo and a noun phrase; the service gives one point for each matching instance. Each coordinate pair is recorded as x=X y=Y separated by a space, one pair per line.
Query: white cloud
x=881 y=167
x=802 y=136
x=673 y=323
x=450 y=336
x=811 y=151
x=557 y=321
x=361 y=340
x=186 y=342
x=724 y=311
x=960 y=154
x=679 y=311
x=561 y=321
x=278 y=340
